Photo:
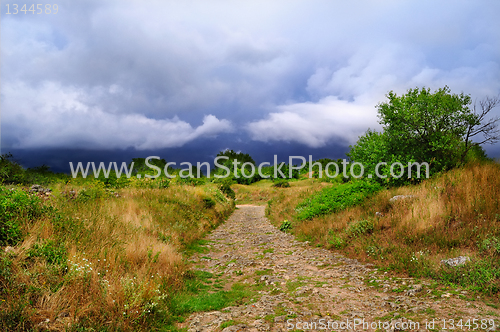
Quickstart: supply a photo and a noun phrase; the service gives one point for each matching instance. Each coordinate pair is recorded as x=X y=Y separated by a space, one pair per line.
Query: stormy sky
x=108 y=80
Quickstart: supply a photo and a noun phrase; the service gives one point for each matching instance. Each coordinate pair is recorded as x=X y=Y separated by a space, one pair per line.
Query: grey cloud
x=60 y=118
x=294 y=71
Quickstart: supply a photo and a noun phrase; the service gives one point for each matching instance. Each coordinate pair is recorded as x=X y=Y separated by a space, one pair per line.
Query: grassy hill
x=456 y=213
x=85 y=257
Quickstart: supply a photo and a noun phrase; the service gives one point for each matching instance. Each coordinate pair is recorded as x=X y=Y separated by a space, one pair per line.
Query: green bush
x=112 y=181
x=423 y=126
x=336 y=198
x=191 y=181
x=225 y=187
x=359 y=228
x=93 y=190
x=481 y=275
x=16 y=208
x=285 y=226
x=281 y=184
x=337 y=241
x=158 y=183
x=10 y=171
x=490 y=243
x=54 y=254
x=209 y=203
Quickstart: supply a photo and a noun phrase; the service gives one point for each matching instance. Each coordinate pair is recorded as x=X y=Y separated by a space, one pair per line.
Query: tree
x=426 y=126
x=242 y=158
x=488 y=128
x=421 y=126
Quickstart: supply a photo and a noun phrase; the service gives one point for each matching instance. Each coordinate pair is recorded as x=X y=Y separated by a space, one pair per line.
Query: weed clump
x=490 y=243
x=209 y=203
x=336 y=241
x=55 y=254
x=281 y=184
x=359 y=228
x=225 y=187
x=285 y=226
x=16 y=209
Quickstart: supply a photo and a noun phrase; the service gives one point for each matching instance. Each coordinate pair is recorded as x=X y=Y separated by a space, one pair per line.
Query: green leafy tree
x=241 y=158
x=424 y=126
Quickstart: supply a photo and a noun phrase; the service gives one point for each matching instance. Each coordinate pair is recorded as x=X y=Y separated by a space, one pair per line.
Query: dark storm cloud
x=162 y=74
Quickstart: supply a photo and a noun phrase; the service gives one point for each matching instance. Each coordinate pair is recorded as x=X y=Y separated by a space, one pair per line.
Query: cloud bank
x=157 y=74
x=56 y=117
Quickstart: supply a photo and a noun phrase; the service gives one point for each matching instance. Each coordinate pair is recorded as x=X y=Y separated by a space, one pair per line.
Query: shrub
x=336 y=241
x=10 y=171
x=209 y=203
x=281 y=184
x=191 y=181
x=53 y=253
x=359 y=228
x=225 y=187
x=16 y=208
x=492 y=243
x=481 y=275
x=94 y=190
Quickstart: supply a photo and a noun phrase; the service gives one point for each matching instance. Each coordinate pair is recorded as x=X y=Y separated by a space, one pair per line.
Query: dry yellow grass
x=123 y=256
x=450 y=215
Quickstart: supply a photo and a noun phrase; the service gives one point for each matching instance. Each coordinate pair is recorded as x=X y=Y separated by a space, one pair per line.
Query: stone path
x=305 y=288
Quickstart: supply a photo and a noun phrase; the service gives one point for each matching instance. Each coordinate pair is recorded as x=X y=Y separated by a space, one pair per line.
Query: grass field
x=91 y=258
x=99 y=262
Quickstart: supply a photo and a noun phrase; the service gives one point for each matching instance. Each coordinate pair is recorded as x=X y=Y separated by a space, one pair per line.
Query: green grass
x=336 y=198
x=199 y=294
x=228 y=323
x=17 y=208
x=481 y=276
x=264 y=272
x=198 y=246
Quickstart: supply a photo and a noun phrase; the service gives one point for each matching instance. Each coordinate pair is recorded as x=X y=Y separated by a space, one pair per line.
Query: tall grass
x=102 y=262
x=455 y=213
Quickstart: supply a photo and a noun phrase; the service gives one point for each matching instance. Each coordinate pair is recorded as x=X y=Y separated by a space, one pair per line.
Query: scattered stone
x=9 y=249
x=400 y=197
x=325 y=284
x=235 y=328
x=457 y=261
x=36 y=188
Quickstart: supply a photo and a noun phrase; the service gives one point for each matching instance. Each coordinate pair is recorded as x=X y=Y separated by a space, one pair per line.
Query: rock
x=9 y=249
x=400 y=197
x=457 y=261
x=235 y=328
x=378 y=214
x=44 y=324
x=63 y=314
x=36 y=188
x=414 y=290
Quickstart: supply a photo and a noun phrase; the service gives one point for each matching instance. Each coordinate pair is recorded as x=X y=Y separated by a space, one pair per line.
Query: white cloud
x=53 y=116
x=315 y=124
